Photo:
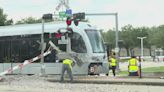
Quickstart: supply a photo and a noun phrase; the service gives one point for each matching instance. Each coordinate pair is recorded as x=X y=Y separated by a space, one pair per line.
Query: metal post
x=141 y=49
x=141 y=46
x=141 y=58
x=116 y=34
x=42 y=50
x=140 y=68
x=68 y=44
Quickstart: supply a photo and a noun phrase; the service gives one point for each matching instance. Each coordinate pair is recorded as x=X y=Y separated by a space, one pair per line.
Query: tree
x=2 y=17
x=109 y=37
x=127 y=37
x=31 y=20
x=9 y=22
x=159 y=36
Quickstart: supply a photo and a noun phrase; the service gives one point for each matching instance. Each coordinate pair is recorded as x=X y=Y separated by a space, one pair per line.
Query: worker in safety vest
x=67 y=66
x=113 y=64
x=133 y=67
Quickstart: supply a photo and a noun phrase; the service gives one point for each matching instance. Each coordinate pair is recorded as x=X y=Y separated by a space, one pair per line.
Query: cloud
x=17 y=9
x=81 y=5
x=138 y=12
x=135 y=12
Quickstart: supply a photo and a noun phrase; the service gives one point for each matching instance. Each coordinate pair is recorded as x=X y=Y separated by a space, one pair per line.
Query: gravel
x=35 y=83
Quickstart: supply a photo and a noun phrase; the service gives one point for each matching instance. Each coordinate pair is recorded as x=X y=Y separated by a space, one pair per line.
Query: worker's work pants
x=114 y=70
x=67 y=68
x=133 y=73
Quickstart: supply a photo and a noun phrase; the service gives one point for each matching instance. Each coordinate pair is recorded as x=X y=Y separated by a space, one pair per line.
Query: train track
x=112 y=80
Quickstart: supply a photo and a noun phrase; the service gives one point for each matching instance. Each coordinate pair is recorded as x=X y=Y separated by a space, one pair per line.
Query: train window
x=2 y=50
x=77 y=43
x=15 y=51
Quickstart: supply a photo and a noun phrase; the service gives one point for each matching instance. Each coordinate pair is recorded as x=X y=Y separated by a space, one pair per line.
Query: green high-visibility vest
x=133 y=67
x=68 y=62
x=113 y=62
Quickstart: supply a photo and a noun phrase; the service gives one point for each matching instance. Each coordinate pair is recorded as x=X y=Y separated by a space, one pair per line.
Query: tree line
x=28 y=20
x=128 y=37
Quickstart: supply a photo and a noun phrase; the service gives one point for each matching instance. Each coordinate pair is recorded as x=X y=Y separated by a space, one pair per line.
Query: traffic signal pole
x=116 y=32
x=44 y=17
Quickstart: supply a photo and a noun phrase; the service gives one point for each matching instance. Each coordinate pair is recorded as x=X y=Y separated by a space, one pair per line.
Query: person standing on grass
x=113 y=64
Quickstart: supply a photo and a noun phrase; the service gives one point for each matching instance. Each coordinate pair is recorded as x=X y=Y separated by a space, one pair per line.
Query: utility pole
x=141 y=38
x=42 y=50
x=117 y=37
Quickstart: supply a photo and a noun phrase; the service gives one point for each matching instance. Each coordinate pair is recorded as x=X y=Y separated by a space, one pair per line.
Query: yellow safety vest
x=68 y=62
x=113 y=62
x=133 y=67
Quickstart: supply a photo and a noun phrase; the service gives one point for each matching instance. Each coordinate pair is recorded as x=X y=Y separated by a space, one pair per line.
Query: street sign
x=62 y=14
x=68 y=12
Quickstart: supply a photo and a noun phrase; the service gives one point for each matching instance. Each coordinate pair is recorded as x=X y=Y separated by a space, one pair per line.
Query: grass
x=150 y=69
x=154 y=69
x=124 y=60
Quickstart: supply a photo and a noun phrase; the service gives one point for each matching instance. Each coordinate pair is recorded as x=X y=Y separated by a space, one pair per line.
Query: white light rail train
x=23 y=42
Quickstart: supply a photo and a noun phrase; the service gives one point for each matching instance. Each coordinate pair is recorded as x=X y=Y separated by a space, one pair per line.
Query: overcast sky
x=135 y=12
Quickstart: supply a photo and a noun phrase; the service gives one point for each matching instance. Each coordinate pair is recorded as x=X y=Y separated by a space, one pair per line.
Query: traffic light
x=76 y=22
x=47 y=16
x=68 y=21
x=76 y=18
x=68 y=32
x=58 y=35
x=79 y=16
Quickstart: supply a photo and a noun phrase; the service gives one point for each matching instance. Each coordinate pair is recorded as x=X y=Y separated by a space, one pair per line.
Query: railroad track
x=112 y=80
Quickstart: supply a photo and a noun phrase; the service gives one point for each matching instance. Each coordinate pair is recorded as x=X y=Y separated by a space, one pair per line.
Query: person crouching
x=133 y=67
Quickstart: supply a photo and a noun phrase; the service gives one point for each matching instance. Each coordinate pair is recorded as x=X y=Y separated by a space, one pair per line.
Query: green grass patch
x=154 y=69
x=124 y=60
x=150 y=69
x=123 y=73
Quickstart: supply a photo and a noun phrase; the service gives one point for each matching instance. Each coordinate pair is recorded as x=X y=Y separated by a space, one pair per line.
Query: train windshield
x=96 y=41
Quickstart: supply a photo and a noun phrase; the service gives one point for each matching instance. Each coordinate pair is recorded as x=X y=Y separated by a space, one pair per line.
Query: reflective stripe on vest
x=133 y=67
x=68 y=62
x=113 y=62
